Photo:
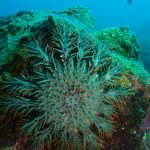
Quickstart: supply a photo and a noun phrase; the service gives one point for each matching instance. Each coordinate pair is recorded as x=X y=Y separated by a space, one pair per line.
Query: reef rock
x=125 y=49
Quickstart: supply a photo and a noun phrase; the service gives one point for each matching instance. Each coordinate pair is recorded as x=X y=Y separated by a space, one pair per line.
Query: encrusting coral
x=70 y=98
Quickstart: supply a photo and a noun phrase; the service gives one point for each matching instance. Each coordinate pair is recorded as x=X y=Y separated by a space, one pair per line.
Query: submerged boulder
x=125 y=49
x=121 y=40
x=21 y=28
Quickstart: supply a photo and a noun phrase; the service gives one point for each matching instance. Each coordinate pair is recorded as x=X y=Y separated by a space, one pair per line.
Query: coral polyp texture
x=71 y=96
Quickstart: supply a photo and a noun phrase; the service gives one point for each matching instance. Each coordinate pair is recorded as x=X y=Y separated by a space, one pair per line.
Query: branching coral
x=71 y=97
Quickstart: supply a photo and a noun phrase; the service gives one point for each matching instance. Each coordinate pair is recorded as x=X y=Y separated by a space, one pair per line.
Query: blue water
x=106 y=12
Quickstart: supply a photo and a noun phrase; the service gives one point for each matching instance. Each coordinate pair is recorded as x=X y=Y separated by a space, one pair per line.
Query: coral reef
x=59 y=75
x=125 y=49
x=72 y=94
x=121 y=40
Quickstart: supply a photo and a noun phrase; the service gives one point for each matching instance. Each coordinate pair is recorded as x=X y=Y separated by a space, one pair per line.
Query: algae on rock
x=125 y=49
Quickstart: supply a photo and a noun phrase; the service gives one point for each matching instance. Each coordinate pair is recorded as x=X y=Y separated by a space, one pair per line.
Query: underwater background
x=64 y=31
x=107 y=13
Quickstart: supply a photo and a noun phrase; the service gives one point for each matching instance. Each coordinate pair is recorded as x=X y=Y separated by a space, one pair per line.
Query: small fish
x=129 y=2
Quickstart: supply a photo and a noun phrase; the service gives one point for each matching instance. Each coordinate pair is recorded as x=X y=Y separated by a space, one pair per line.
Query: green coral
x=124 y=49
x=121 y=41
